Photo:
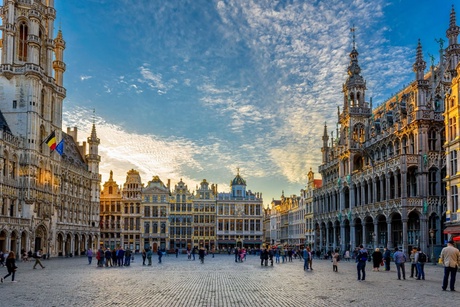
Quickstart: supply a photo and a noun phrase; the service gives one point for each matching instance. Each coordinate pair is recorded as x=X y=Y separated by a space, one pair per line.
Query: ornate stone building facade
x=111 y=212
x=204 y=215
x=383 y=174
x=48 y=201
x=155 y=209
x=306 y=202
x=239 y=217
x=132 y=214
x=181 y=217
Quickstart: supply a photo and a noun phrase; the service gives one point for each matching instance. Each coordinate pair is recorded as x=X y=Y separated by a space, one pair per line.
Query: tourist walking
x=420 y=260
x=450 y=258
x=128 y=257
x=11 y=266
x=277 y=255
x=149 y=256
x=114 y=256
x=347 y=255
x=387 y=258
x=160 y=254
x=413 y=264
x=377 y=258
x=201 y=254
x=335 y=261
x=283 y=254
x=120 y=256
x=361 y=259
x=144 y=255
x=37 y=257
x=306 y=259
x=108 y=257
x=400 y=259
x=89 y=254
x=194 y=252
x=310 y=258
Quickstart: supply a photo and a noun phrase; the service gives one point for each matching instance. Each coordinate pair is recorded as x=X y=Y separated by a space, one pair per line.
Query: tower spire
x=419 y=65
x=352 y=30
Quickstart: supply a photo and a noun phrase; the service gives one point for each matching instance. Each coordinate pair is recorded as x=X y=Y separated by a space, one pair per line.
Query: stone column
x=389 y=234
x=376 y=234
x=352 y=236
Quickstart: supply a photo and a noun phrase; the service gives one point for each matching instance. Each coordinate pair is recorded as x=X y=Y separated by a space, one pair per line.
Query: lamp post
x=432 y=232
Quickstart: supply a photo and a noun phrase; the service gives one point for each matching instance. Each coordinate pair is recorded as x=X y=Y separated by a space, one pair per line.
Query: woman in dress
x=377 y=258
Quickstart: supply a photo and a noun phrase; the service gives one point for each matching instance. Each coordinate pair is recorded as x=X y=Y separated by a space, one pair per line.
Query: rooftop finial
x=238 y=171
x=94 y=116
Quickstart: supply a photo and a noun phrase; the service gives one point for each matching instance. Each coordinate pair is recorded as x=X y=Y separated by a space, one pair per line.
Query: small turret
x=419 y=65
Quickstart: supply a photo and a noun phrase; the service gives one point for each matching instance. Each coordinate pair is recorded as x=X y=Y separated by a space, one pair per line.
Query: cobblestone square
x=218 y=282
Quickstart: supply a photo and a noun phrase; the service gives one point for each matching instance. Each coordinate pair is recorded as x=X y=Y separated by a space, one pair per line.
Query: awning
x=452 y=229
x=457 y=238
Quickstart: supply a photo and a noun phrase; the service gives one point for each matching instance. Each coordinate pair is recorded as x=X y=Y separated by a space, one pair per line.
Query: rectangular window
x=15 y=104
x=454 y=198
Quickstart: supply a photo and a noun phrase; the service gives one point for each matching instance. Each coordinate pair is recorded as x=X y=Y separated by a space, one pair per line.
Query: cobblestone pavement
x=218 y=282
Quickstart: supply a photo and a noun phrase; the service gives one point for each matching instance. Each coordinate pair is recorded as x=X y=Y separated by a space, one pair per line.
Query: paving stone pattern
x=218 y=282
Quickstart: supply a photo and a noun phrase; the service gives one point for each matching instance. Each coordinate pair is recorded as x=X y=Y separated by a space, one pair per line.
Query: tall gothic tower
x=32 y=62
x=354 y=117
x=48 y=200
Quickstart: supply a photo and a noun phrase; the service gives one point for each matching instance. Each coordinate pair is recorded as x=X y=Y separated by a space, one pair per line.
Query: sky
x=195 y=89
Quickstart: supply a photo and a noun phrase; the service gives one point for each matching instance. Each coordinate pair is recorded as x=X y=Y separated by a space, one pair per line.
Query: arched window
x=22 y=42
x=432 y=182
x=432 y=140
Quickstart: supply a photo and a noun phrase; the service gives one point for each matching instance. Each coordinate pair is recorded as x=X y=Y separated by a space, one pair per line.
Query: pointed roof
x=354 y=78
x=3 y=124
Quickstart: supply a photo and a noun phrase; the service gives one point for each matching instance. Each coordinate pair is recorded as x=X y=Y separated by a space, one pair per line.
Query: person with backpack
x=420 y=259
x=37 y=255
x=361 y=259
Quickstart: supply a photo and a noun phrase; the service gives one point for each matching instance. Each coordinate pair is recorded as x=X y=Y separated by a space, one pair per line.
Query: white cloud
x=84 y=77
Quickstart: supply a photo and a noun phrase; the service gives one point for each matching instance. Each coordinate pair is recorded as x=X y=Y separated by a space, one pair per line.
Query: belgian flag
x=51 y=141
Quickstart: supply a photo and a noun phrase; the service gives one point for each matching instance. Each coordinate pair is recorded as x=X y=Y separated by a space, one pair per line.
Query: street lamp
x=432 y=232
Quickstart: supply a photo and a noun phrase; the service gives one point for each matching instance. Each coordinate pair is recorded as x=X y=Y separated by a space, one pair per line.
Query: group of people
x=450 y=258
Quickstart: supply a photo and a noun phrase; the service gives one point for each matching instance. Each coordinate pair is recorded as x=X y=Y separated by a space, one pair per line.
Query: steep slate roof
x=3 y=124
x=72 y=153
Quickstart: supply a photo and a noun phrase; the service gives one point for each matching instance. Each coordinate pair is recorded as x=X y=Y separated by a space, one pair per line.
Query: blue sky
x=194 y=89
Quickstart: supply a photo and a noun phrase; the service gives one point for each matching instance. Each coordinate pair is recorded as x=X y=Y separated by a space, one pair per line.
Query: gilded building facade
x=111 y=212
x=155 y=213
x=48 y=201
x=181 y=217
x=204 y=215
x=383 y=173
x=132 y=214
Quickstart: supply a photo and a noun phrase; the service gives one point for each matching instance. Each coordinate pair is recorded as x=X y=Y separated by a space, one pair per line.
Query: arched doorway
x=60 y=244
x=413 y=230
x=358 y=232
x=76 y=244
x=397 y=230
x=14 y=243
x=382 y=231
x=369 y=232
x=68 y=246
x=40 y=238
x=83 y=243
x=3 y=240
x=24 y=241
